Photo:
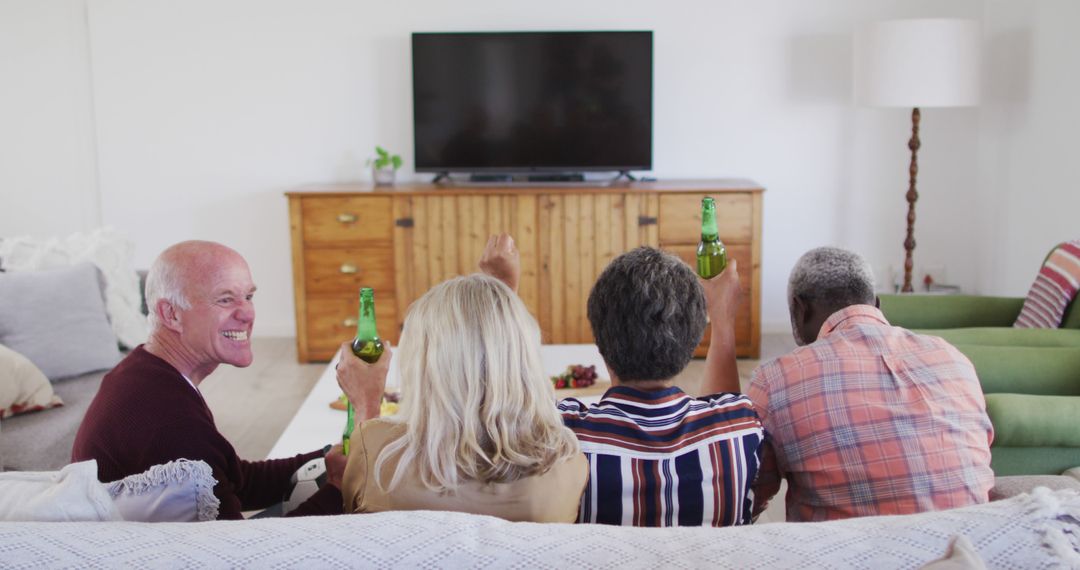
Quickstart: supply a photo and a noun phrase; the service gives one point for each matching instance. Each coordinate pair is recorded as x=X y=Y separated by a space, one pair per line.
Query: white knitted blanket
x=1040 y=530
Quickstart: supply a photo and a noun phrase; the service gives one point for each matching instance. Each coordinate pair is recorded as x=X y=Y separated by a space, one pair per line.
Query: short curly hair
x=832 y=278
x=647 y=312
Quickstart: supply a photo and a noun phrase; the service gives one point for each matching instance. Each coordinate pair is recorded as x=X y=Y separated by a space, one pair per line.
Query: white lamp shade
x=918 y=63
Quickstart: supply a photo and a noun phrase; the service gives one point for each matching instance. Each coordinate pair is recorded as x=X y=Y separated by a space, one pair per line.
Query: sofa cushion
x=177 y=491
x=1048 y=371
x=56 y=318
x=1053 y=289
x=70 y=494
x=1007 y=336
x=1023 y=420
x=1032 y=460
x=23 y=388
x=1011 y=486
x=42 y=441
x=110 y=251
x=949 y=311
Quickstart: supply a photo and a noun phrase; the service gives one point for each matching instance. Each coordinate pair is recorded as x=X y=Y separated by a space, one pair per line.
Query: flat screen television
x=522 y=102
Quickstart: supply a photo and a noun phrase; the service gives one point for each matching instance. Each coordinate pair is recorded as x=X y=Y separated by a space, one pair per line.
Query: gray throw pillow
x=57 y=319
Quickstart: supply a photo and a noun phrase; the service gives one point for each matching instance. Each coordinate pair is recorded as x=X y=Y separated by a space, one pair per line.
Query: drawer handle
x=349 y=322
x=349 y=268
x=346 y=218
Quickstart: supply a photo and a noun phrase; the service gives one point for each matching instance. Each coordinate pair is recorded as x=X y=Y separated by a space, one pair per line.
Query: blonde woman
x=477 y=430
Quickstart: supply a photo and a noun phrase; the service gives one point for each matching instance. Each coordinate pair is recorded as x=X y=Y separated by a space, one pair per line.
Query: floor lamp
x=917 y=64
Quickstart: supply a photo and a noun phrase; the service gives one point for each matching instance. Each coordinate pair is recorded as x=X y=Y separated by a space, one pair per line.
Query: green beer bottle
x=367 y=346
x=711 y=254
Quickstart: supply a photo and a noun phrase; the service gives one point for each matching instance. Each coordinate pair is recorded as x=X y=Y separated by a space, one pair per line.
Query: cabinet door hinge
x=646 y=221
x=404 y=222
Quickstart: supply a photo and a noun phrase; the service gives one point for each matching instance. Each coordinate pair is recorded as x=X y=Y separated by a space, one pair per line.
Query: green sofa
x=1031 y=377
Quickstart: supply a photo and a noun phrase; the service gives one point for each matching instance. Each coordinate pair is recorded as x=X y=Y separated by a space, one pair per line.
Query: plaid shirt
x=872 y=419
x=662 y=458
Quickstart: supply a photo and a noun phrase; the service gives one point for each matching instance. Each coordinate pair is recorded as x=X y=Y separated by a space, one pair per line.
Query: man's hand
x=502 y=260
x=335 y=465
x=363 y=383
x=722 y=295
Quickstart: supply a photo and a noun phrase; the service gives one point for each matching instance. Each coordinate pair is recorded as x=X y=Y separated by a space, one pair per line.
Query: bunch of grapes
x=390 y=404
x=576 y=376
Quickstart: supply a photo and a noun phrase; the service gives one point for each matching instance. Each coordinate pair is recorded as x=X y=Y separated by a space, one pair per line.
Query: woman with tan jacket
x=477 y=430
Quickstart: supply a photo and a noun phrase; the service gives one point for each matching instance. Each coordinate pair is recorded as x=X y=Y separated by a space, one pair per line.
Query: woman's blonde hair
x=476 y=402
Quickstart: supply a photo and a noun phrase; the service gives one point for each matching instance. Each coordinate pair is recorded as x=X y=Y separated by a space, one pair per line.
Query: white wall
x=202 y=112
x=1030 y=164
x=48 y=176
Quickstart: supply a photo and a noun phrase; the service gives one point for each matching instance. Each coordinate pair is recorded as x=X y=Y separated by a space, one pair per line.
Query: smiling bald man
x=149 y=409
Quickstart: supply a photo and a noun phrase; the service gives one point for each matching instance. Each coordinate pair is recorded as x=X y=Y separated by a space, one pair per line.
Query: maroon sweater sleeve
x=326 y=501
x=246 y=485
x=273 y=477
x=250 y=485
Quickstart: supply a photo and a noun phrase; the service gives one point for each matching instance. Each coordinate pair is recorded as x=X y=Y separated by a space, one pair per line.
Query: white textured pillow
x=177 y=491
x=107 y=249
x=70 y=494
x=23 y=388
x=56 y=318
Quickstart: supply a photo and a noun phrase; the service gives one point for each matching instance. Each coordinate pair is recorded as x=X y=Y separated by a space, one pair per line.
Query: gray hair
x=165 y=280
x=833 y=278
x=647 y=312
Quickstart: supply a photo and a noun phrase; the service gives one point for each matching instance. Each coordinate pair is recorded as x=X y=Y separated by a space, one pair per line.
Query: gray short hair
x=647 y=312
x=832 y=277
x=165 y=280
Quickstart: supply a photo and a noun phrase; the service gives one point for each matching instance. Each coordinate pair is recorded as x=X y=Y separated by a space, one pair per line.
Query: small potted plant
x=383 y=166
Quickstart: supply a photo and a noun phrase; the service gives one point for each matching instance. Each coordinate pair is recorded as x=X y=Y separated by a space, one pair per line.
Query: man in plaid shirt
x=866 y=418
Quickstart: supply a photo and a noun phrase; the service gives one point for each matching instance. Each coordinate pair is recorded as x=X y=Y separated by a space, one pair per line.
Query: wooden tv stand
x=404 y=239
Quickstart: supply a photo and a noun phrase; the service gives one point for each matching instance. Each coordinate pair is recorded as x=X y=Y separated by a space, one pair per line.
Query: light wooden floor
x=253 y=405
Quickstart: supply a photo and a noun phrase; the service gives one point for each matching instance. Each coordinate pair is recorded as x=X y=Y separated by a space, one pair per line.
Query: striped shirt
x=662 y=458
x=872 y=419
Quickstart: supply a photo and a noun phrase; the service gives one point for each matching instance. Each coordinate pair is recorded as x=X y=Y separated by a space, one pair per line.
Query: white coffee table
x=317 y=424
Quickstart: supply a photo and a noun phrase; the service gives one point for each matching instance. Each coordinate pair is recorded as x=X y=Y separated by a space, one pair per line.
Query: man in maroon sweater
x=149 y=409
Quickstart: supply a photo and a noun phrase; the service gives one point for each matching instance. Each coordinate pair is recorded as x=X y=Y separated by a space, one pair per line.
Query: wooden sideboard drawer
x=680 y=218
x=330 y=270
x=332 y=320
x=743 y=340
x=743 y=317
x=348 y=220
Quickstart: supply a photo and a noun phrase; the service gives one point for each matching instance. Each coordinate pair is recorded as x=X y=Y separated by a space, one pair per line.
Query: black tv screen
x=532 y=101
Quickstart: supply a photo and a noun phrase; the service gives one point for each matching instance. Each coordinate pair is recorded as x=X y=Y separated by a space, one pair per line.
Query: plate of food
x=389 y=406
x=575 y=376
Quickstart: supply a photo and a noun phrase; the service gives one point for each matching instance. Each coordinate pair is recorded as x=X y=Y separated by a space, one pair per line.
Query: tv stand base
x=574 y=179
x=529 y=178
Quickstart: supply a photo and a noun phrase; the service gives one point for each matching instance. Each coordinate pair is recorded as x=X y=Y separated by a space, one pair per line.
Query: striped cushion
x=1053 y=290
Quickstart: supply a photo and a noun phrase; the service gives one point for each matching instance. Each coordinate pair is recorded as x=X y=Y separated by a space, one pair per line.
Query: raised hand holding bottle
x=367 y=346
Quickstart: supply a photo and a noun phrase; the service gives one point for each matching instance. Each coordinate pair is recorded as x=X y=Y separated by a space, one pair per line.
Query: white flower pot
x=383 y=176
